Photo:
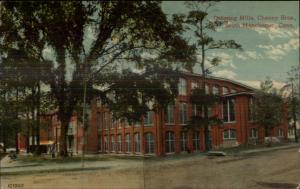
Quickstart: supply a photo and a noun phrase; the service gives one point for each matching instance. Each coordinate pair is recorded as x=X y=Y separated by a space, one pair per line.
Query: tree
x=197 y=21
x=91 y=42
x=268 y=107
x=293 y=99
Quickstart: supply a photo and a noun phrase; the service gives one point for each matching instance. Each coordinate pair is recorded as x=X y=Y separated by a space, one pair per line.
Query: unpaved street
x=278 y=169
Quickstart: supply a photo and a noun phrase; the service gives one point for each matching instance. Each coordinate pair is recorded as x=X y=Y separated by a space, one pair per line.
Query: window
x=183 y=113
x=195 y=109
x=215 y=90
x=127 y=143
x=100 y=146
x=233 y=91
x=148 y=121
x=229 y=134
x=184 y=141
x=228 y=110
x=105 y=144
x=99 y=121
x=206 y=89
x=113 y=144
x=253 y=133
x=149 y=143
x=170 y=142
x=137 y=124
x=196 y=141
x=194 y=85
x=137 y=143
x=119 y=143
x=169 y=115
x=250 y=110
x=225 y=90
x=182 y=86
x=280 y=132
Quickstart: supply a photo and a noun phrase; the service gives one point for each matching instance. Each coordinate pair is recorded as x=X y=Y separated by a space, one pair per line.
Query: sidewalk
x=10 y=167
x=268 y=149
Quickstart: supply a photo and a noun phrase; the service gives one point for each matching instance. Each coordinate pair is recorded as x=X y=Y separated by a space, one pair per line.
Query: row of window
x=149 y=143
x=182 y=88
x=228 y=114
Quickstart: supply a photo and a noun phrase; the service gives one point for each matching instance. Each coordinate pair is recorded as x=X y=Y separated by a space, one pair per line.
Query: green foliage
x=91 y=43
x=202 y=100
x=268 y=107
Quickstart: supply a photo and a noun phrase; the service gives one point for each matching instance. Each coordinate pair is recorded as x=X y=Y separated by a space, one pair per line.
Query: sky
x=268 y=32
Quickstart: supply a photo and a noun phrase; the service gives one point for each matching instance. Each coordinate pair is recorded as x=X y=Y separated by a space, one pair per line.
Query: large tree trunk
x=63 y=151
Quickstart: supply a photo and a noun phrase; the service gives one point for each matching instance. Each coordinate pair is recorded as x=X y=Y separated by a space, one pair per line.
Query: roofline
x=222 y=79
x=239 y=93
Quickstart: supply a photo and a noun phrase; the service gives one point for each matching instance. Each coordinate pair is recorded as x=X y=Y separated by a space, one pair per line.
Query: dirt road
x=278 y=169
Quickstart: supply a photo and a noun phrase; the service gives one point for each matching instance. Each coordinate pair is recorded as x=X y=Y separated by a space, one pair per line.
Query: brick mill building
x=160 y=135
x=165 y=134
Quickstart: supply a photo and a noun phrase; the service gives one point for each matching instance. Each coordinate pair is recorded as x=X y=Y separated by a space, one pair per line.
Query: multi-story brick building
x=165 y=134
x=159 y=134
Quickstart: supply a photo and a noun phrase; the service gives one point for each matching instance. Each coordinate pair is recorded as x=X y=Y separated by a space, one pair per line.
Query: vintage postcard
x=149 y=95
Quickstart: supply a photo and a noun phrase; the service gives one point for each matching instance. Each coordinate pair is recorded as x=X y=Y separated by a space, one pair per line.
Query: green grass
x=44 y=159
x=20 y=173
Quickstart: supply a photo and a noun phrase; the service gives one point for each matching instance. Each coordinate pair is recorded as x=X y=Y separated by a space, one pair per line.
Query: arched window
x=184 y=141
x=170 y=142
x=137 y=143
x=196 y=141
x=127 y=143
x=149 y=143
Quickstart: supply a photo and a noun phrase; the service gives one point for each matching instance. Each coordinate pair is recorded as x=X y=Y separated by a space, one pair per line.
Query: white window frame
x=280 y=132
x=128 y=143
x=137 y=143
x=170 y=114
x=229 y=134
x=253 y=134
x=184 y=141
x=170 y=142
x=228 y=111
x=183 y=110
x=182 y=86
x=149 y=143
x=148 y=119
x=119 y=142
x=196 y=140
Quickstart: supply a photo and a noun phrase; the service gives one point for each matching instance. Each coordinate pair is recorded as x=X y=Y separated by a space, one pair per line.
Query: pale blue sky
x=267 y=52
